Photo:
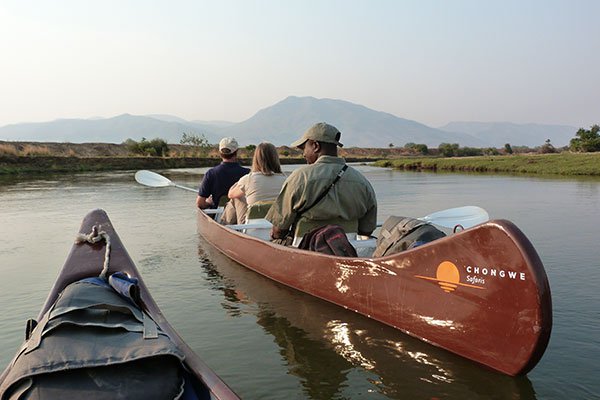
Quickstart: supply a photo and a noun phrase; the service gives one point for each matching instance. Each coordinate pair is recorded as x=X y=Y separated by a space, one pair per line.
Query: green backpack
x=402 y=233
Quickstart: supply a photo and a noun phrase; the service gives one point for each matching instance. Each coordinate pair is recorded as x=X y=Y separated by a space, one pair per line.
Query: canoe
x=85 y=262
x=481 y=293
x=325 y=345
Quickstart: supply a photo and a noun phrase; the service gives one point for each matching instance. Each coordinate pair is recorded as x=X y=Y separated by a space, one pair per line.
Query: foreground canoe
x=481 y=293
x=85 y=262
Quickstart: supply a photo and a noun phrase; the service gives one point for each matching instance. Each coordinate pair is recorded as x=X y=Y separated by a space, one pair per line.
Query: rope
x=94 y=237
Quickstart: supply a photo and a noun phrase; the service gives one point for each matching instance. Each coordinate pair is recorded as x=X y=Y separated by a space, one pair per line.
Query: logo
x=448 y=277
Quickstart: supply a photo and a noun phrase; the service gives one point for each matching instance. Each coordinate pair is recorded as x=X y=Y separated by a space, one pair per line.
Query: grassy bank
x=546 y=164
x=18 y=165
x=51 y=157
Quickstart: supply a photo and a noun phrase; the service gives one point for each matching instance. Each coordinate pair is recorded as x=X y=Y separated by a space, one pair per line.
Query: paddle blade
x=467 y=216
x=149 y=178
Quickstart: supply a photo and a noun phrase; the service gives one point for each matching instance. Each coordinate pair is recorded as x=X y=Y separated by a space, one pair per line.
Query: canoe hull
x=482 y=293
x=86 y=261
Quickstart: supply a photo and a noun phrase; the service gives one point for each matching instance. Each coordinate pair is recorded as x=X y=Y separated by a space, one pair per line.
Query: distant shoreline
x=22 y=165
x=563 y=164
x=21 y=158
x=51 y=157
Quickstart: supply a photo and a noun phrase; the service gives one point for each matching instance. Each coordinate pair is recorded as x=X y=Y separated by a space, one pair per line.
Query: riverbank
x=545 y=164
x=17 y=158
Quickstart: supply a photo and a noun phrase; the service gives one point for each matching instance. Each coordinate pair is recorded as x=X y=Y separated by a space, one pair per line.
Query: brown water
x=271 y=342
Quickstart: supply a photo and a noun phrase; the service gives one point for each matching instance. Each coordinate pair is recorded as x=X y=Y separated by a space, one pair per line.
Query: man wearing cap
x=219 y=179
x=351 y=198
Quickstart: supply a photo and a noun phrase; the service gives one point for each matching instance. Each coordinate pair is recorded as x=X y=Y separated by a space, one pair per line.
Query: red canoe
x=482 y=293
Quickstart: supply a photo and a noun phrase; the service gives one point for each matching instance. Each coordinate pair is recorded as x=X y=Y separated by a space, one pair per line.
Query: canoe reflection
x=330 y=349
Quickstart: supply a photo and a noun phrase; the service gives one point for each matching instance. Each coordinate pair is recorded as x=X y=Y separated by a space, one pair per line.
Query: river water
x=271 y=342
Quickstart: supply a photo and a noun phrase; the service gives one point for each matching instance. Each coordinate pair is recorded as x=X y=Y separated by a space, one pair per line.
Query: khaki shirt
x=259 y=187
x=351 y=199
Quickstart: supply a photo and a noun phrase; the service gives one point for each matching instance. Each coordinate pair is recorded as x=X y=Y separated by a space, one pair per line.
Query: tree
x=448 y=150
x=468 y=152
x=587 y=140
x=200 y=142
x=194 y=140
x=547 y=147
x=508 y=149
x=391 y=145
x=250 y=148
x=154 y=147
x=417 y=148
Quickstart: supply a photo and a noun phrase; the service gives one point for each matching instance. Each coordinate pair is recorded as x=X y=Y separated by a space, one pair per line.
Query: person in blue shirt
x=219 y=179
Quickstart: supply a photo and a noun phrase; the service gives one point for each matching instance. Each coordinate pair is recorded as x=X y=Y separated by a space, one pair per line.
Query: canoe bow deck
x=482 y=293
x=85 y=261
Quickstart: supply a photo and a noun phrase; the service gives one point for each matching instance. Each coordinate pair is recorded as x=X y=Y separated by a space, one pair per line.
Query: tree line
x=585 y=140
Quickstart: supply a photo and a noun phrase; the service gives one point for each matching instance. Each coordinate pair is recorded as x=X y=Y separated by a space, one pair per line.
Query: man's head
x=228 y=147
x=320 y=139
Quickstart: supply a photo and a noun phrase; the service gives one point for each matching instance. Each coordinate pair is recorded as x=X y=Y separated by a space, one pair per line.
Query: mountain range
x=284 y=121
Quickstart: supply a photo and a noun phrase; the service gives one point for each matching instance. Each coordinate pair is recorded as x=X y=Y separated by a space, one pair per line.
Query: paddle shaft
x=184 y=187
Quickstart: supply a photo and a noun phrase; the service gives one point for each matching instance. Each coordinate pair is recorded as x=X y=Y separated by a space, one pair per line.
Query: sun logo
x=448 y=277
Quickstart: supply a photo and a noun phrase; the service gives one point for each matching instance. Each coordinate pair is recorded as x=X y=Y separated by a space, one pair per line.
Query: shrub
x=32 y=150
x=448 y=150
x=8 y=150
x=155 y=147
x=587 y=140
x=547 y=148
x=417 y=148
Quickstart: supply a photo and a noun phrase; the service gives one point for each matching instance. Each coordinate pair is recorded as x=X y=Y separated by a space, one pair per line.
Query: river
x=271 y=342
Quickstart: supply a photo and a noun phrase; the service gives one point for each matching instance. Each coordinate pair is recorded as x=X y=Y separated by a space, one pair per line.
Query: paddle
x=466 y=216
x=152 y=179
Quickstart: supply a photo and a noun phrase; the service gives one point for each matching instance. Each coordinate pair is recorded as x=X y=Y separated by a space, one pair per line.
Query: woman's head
x=266 y=160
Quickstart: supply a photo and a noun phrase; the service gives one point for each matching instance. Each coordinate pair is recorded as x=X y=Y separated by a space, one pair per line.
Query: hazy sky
x=430 y=61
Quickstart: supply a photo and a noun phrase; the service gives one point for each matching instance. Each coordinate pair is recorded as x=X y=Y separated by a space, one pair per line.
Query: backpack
x=403 y=233
x=328 y=239
x=96 y=344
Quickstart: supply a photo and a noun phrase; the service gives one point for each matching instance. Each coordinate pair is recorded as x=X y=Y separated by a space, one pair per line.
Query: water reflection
x=324 y=345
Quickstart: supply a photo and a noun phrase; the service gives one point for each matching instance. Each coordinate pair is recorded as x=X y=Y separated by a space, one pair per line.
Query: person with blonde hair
x=263 y=183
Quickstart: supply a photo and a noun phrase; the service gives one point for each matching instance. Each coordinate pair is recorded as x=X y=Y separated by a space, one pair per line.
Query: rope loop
x=94 y=237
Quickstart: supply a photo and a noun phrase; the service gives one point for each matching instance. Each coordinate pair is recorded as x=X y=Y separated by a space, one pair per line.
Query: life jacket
x=328 y=239
x=403 y=233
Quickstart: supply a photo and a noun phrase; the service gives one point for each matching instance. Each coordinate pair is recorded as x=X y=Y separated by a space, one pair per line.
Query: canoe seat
x=216 y=213
x=223 y=200
x=256 y=214
x=259 y=209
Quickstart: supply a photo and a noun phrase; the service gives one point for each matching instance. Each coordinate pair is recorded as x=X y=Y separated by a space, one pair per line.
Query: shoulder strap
x=324 y=193
x=321 y=196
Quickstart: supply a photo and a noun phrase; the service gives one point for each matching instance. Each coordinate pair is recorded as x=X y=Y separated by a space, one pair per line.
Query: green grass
x=546 y=164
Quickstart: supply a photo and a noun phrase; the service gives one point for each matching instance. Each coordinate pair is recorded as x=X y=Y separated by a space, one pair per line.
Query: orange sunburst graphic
x=448 y=277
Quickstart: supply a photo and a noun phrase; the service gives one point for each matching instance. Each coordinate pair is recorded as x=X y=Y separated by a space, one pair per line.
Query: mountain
x=107 y=130
x=499 y=133
x=285 y=121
